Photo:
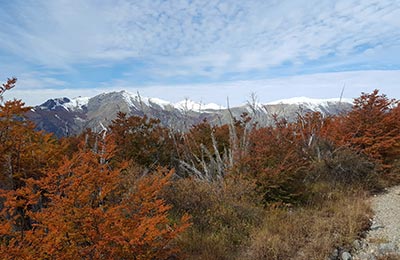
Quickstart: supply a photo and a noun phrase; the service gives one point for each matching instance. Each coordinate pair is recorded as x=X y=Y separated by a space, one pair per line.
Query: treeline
x=137 y=190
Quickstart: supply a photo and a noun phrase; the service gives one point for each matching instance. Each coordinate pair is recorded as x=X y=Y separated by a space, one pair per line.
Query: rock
x=376 y=226
x=357 y=245
x=365 y=256
x=387 y=248
x=382 y=240
x=334 y=255
x=345 y=256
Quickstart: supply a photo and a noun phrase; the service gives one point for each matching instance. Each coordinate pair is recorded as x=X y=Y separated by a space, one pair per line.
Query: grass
x=311 y=232
x=389 y=257
x=229 y=225
x=223 y=215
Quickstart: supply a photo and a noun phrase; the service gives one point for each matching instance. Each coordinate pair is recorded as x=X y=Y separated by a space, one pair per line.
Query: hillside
x=294 y=188
x=64 y=116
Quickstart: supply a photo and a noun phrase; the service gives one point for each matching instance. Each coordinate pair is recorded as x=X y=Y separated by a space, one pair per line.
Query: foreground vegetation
x=291 y=190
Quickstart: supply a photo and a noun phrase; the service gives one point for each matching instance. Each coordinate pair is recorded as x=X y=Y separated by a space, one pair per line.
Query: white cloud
x=323 y=85
x=207 y=38
x=37 y=80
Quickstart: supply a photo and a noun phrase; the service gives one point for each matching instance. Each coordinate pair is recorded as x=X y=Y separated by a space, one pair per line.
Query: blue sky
x=204 y=50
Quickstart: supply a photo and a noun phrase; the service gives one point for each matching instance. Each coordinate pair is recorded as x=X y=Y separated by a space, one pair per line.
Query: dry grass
x=223 y=215
x=389 y=257
x=228 y=224
x=311 y=232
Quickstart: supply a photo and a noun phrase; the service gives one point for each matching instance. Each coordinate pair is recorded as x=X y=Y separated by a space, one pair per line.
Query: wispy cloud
x=256 y=34
x=184 y=41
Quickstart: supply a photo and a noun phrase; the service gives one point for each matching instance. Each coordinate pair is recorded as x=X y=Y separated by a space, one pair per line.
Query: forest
x=138 y=190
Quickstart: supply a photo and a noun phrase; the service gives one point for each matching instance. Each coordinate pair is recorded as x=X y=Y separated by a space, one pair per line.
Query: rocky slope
x=64 y=116
x=383 y=238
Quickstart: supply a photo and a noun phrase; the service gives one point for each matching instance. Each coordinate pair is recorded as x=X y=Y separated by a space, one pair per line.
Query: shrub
x=346 y=167
x=223 y=215
x=86 y=209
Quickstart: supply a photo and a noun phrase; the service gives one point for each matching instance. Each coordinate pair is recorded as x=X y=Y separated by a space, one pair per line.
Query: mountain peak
x=53 y=103
x=65 y=116
x=307 y=100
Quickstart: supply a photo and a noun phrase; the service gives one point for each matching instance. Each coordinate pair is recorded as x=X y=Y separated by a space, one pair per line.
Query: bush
x=345 y=167
x=392 y=177
x=223 y=215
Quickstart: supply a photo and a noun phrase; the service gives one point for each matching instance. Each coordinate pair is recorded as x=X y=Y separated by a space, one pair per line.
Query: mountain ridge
x=65 y=116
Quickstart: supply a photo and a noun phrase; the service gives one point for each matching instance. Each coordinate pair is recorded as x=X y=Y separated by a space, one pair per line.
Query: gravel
x=383 y=238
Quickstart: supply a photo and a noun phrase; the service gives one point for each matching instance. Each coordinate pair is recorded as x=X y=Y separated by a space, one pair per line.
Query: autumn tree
x=88 y=209
x=276 y=161
x=142 y=140
x=24 y=152
x=7 y=86
x=372 y=127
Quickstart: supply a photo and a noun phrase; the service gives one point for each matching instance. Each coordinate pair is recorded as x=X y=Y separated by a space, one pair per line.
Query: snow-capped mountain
x=76 y=103
x=133 y=100
x=64 y=116
x=309 y=101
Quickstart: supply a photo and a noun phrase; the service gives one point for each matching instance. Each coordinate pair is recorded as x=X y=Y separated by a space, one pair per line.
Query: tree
x=24 y=152
x=277 y=161
x=7 y=86
x=372 y=128
x=88 y=209
x=142 y=140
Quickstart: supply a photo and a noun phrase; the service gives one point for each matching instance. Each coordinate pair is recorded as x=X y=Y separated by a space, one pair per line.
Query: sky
x=208 y=51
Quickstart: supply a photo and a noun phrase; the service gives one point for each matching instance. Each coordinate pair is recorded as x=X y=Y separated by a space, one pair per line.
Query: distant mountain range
x=64 y=116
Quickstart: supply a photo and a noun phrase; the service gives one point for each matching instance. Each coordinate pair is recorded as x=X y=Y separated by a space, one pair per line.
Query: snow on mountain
x=312 y=103
x=157 y=101
x=131 y=99
x=196 y=106
x=181 y=105
x=64 y=116
x=134 y=100
x=128 y=98
x=76 y=103
x=306 y=100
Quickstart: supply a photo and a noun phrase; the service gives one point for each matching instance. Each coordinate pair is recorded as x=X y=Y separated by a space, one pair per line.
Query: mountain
x=64 y=116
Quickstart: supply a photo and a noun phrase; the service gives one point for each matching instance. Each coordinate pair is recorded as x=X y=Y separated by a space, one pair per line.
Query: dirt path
x=383 y=239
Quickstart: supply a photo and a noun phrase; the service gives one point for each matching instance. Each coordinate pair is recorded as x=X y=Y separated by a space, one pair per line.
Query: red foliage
x=7 y=86
x=276 y=160
x=372 y=128
x=87 y=209
x=24 y=152
x=84 y=205
x=142 y=140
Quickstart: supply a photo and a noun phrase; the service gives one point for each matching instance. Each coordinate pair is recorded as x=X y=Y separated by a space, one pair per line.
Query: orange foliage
x=142 y=140
x=276 y=161
x=86 y=209
x=372 y=127
x=281 y=155
x=199 y=138
x=77 y=198
x=24 y=152
x=7 y=86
